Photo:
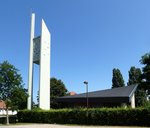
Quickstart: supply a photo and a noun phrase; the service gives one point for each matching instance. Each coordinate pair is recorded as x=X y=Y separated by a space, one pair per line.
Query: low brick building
x=3 y=109
x=2 y=105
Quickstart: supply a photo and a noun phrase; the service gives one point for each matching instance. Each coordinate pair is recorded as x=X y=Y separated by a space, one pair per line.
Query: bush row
x=95 y=116
x=12 y=119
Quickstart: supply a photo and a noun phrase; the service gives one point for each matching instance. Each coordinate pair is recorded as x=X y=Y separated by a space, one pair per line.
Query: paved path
x=59 y=126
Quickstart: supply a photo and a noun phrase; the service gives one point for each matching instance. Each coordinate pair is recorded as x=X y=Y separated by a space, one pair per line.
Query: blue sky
x=89 y=38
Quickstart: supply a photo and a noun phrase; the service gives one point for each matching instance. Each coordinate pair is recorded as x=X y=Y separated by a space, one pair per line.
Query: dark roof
x=121 y=94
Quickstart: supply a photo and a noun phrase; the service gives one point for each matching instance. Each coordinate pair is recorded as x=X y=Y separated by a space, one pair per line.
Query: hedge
x=12 y=119
x=95 y=116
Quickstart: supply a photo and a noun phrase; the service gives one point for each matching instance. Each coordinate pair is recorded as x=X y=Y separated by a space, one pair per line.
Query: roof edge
x=136 y=85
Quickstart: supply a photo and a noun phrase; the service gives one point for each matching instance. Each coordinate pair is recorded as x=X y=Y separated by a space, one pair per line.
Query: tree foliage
x=11 y=87
x=117 y=80
x=145 y=60
x=140 y=97
x=19 y=98
x=134 y=76
x=9 y=80
x=57 y=89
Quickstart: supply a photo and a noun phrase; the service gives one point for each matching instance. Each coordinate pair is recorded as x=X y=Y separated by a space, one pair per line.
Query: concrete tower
x=40 y=55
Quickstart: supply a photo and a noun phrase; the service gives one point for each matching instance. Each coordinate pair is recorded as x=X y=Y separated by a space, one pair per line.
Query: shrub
x=12 y=119
x=94 y=116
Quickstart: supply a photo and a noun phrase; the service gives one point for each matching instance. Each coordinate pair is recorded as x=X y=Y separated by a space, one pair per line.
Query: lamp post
x=87 y=102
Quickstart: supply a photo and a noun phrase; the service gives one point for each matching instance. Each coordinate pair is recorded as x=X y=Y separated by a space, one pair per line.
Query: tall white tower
x=40 y=54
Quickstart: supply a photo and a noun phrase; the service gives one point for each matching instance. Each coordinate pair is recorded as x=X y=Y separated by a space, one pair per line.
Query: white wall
x=133 y=101
x=10 y=112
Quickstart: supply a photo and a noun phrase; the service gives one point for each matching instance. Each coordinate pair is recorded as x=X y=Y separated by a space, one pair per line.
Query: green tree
x=145 y=60
x=10 y=85
x=134 y=76
x=57 y=89
x=140 y=97
x=117 y=80
x=19 y=98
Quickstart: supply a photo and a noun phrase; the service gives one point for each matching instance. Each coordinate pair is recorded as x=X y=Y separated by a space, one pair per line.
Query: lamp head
x=85 y=82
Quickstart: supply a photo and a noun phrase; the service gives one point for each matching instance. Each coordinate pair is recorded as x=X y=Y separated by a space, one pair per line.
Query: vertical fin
x=30 y=75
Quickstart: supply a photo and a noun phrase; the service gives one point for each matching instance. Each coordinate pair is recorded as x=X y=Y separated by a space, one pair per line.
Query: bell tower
x=40 y=55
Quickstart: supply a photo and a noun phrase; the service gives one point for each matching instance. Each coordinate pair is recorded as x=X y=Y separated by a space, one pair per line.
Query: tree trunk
x=7 y=117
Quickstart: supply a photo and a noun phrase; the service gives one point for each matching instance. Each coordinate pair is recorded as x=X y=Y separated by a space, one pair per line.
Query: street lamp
x=86 y=83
